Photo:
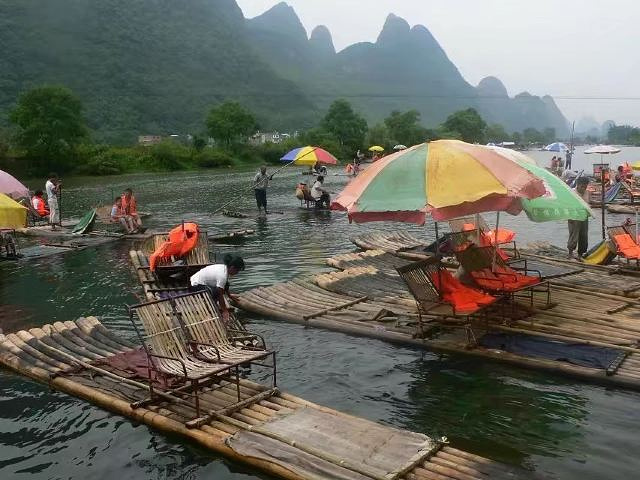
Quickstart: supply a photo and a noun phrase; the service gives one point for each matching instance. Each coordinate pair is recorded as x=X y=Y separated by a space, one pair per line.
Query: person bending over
x=320 y=194
x=216 y=279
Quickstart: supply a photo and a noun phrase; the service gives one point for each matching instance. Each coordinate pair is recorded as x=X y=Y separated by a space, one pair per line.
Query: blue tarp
x=533 y=346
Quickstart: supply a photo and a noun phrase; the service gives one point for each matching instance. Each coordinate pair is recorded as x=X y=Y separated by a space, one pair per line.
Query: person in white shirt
x=319 y=194
x=52 y=187
x=260 y=184
x=215 y=278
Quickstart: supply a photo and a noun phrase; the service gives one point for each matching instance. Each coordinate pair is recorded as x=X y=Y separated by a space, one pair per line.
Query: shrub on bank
x=212 y=158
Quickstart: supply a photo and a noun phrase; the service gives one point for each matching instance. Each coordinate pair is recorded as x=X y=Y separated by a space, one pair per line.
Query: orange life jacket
x=626 y=246
x=182 y=240
x=463 y=299
x=130 y=207
x=39 y=206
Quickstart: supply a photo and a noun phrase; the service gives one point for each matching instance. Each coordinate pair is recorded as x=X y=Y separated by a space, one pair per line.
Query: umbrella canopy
x=636 y=166
x=12 y=187
x=602 y=150
x=556 y=147
x=559 y=201
x=400 y=147
x=12 y=214
x=448 y=178
x=376 y=148
x=309 y=156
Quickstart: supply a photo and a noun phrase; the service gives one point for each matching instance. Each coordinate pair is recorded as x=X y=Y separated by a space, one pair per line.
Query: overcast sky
x=565 y=48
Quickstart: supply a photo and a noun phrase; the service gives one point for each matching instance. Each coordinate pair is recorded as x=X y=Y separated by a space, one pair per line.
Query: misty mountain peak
x=395 y=29
x=321 y=40
x=282 y=19
x=492 y=87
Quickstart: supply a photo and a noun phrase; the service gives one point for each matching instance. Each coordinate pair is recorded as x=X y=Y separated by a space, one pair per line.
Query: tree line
x=49 y=133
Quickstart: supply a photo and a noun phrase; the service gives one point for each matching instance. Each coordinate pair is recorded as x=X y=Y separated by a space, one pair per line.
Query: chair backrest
x=618 y=230
x=458 y=224
x=462 y=240
x=198 y=256
x=478 y=258
x=162 y=333
x=417 y=276
x=200 y=318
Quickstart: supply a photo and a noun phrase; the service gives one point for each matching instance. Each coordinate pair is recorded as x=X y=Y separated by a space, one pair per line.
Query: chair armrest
x=175 y=359
x=193 y=344
x=249 y=335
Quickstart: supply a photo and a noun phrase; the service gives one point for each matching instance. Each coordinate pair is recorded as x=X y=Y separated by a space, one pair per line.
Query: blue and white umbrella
x=556 y=147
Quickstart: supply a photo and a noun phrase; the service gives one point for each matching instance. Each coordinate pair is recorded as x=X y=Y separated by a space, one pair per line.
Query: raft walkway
x=272 y=431
x=367 y=297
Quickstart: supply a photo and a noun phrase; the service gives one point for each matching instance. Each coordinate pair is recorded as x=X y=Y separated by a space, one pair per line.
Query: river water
x=553 y=425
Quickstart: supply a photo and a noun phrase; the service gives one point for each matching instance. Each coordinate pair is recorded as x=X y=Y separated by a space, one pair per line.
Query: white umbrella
x=400 y=147
x=606 y=150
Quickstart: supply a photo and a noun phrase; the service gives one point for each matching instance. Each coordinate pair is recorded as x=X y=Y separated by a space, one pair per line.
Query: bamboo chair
x=418 y=276
x=168 y=354
x=209 y=338
x=488 y=271
x=618 y=231
x=457 y=225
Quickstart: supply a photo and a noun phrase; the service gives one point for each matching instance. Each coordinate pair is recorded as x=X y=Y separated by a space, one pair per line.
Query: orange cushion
x=504 y=236
x=464 y=299
x=626 y=246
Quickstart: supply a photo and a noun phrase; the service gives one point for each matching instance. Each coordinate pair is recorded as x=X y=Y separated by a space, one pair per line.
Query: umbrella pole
x=602 y=196
x=438 y=258
x=495 y=239
x=478 y=229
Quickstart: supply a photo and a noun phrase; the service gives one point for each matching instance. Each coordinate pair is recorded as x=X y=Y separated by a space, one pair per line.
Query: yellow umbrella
x=376 y=148
x=636 y=166
x=12 y=214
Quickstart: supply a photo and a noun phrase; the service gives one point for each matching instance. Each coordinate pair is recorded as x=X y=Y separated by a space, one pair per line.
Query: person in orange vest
x=118 y=216
x=130 y=207
x=38 y=203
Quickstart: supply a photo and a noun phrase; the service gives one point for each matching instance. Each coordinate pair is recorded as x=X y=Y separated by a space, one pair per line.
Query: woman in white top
x=215 y=278
x=52 y=187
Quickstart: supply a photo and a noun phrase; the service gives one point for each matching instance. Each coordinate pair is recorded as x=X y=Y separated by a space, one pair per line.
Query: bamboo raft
x=265 y=430
x=368 y=298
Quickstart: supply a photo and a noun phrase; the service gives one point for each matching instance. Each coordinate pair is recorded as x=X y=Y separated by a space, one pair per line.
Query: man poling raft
x=182 y=240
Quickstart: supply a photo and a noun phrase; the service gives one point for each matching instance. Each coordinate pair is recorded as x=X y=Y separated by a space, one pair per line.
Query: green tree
x=468 y=123
x=496 y=133
x=50 y=125
x=405 y=127
x=532 y=135
x=347 y=126
x=379 y=135
x=230 y=123
x=549 y=135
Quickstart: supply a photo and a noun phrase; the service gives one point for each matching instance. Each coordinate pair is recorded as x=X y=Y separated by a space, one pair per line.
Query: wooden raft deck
x=368 y=298
x=71 y=357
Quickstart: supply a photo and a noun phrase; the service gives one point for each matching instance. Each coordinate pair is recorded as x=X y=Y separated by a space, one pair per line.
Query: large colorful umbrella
x=558 y=203
x=12 y=187
x=447 y=178
x=309 y=156
x=12 y=214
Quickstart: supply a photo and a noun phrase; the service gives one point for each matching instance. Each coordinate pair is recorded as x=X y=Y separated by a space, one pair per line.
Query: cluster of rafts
x=184 y=376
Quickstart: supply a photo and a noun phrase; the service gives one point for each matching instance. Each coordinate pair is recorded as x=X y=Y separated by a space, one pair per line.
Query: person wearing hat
x=215 y=278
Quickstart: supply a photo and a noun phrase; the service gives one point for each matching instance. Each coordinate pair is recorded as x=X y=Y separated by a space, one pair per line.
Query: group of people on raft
x=125 y=212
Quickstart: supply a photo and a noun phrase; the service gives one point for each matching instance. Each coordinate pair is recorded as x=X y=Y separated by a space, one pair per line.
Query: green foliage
x=212 y=158
x=496 y=133
x=405 y=128
x=199 y=143
x=167 y=156
x=230 y=123
x=50 y=125
x=623 y=135
x=319 y=137
x=468 y=124
x=379 y=135
x=346 y=126
x=4 y=144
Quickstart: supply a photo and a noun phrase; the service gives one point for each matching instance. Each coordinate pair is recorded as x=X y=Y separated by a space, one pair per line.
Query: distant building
x=260 y=138
x=148 y=140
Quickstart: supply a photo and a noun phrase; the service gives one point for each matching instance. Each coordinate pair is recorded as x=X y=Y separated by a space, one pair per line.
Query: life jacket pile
x=182 y=240
x=465 y=300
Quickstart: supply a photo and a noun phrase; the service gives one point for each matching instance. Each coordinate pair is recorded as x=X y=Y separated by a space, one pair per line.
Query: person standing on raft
x=216 y=279
x=52 y=188
x=579 y=230
x=260 y=184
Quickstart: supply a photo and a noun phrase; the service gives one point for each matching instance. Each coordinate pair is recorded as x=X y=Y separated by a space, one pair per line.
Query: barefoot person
x=260 y=184
x=130 y=207
x=216 y=279
x=118 y=216
x=52 y=188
